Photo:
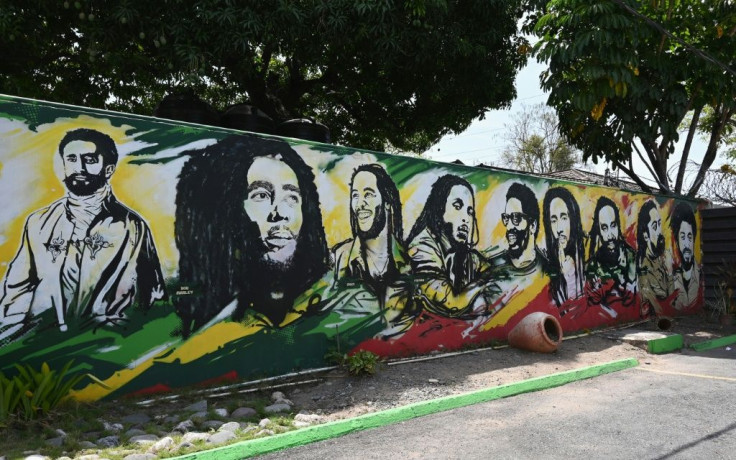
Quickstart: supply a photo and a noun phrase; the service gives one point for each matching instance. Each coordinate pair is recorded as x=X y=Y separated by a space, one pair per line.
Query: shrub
x=362 y=362
x=32 y=393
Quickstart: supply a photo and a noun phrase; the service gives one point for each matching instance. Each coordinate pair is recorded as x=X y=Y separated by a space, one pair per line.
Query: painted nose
x=277 y=214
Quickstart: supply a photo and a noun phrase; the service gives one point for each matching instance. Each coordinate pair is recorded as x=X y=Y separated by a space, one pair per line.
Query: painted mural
x=159 y=255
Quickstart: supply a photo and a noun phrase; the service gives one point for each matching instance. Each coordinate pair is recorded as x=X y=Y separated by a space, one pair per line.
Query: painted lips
x=364 y=214
x=462 y=232
x=279 y=237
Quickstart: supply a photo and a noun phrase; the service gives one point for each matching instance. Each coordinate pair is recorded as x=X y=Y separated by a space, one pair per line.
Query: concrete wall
x=200 y=254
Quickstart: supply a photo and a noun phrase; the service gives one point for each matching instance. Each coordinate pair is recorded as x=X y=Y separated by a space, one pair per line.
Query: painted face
x=685 y=243
x=517 y=227
x=365 y=201
x=83 y=168
x=559 y=219
x=654 y=237
x=459 y=215
x=608 y=227
x=274 y=203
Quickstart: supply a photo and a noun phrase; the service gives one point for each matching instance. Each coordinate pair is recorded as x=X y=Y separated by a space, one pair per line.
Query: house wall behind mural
x=158 y=255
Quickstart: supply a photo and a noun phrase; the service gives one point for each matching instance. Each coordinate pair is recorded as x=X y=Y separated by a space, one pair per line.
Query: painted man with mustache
x=687 y=275
x=452 y=274
x=564 y=237
x=611 y=269
x=374 y=259
x=521 y=219
x=655 y=279
x=86 y=255
x=248 y=228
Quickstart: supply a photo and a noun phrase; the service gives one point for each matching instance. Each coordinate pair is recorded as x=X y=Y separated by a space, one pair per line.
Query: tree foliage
x=623 y=75
x=378 y=73
x=534 y=143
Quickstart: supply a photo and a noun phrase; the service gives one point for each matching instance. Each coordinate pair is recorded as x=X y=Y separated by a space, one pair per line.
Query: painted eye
x=259 y=195
x=292 y=198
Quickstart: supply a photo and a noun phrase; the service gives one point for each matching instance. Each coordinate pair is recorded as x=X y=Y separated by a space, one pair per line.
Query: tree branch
x=633 y=176
x=641 y=157
x=710 y=153
x=686 y=149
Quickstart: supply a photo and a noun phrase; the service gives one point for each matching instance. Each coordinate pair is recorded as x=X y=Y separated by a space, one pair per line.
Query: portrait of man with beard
x=655 y=279
x=687 y=275
x=521 y=219
x=611 y=269
x=374 y=258
x=452 y=275
x=86 y=257
x=564 y=236
x=249 y=231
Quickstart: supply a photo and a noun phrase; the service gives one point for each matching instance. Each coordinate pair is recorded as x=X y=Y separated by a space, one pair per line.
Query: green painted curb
x=715 y=343
x=246 y=449
x=665 y=345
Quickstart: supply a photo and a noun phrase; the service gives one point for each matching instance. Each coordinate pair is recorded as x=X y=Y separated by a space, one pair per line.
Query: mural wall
x=159 y=255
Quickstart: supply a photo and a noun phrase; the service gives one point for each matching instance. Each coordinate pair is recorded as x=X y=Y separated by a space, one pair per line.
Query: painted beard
x=658 y=249
x=607 y=254
x=379 y=222
x=687 y=259
x=455 y=245
x=518 y=241
x=83 y=184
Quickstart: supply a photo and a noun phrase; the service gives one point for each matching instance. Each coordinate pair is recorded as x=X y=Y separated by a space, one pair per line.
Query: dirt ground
x=339 y=396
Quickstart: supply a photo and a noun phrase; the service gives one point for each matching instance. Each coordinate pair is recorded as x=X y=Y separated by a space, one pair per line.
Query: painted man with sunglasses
x=521 y=219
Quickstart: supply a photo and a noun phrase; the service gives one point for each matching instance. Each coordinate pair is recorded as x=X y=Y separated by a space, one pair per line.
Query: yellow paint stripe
x=686 y=374
x=519 y=300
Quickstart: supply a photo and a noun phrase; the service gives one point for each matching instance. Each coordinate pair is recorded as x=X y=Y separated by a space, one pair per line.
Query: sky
x=483 y=141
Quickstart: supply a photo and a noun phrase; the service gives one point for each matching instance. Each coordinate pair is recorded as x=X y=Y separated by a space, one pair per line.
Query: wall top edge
x=5 y=98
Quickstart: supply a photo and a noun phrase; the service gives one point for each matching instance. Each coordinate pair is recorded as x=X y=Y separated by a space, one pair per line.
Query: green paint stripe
x=715 y=343
x=673 y=342
x=246 y=449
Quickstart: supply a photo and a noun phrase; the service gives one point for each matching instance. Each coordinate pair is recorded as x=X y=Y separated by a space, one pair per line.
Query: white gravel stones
x=143 y=439
x=308 y=418
x=194 y=436
x=162 y=444
x=145 y=456
x=230 y=426
x=221 y=437
x=264 y=422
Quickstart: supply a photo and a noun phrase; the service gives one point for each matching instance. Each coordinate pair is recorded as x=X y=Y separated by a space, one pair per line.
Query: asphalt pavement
x=681 y=407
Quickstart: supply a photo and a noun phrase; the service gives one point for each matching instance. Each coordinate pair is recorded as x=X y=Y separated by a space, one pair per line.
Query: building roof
x=608 y=179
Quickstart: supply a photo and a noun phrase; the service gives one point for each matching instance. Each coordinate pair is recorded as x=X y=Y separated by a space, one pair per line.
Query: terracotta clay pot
x=539 y=332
